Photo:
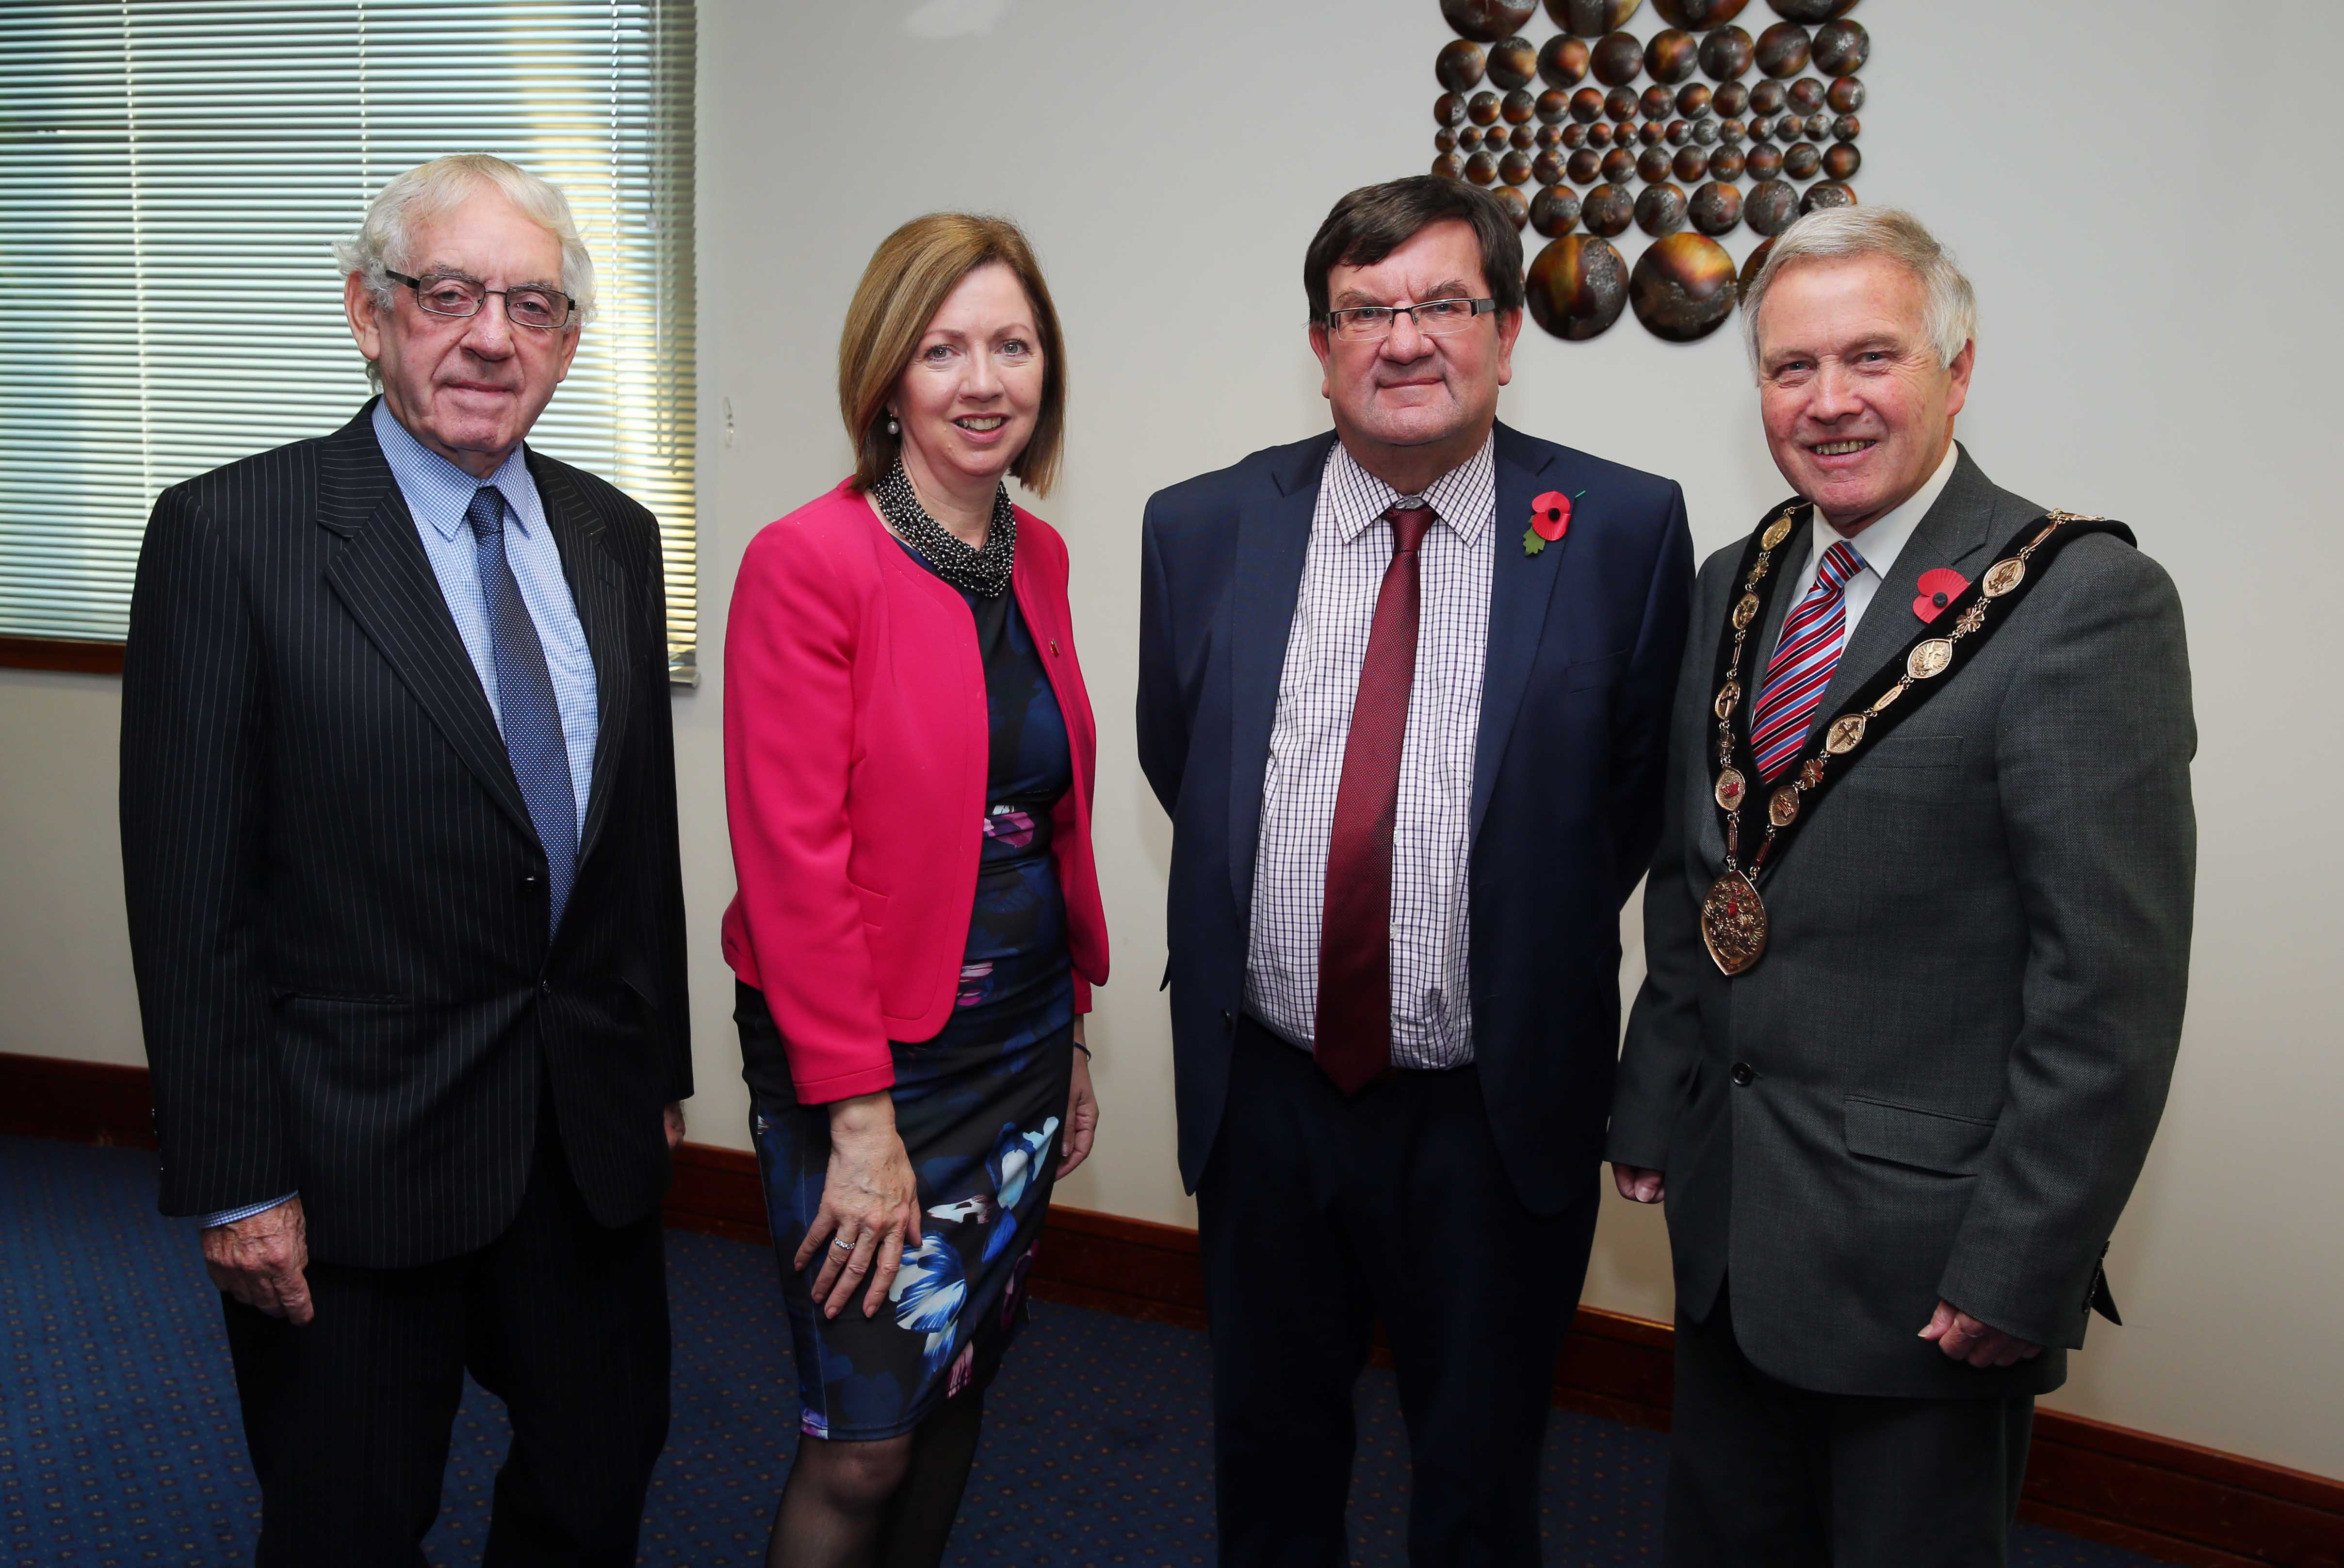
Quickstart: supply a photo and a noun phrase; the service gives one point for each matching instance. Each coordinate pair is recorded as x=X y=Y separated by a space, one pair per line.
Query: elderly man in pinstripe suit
x=400 y=840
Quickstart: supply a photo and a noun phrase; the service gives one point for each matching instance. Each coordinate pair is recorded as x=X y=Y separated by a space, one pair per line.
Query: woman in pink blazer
x=909 y=758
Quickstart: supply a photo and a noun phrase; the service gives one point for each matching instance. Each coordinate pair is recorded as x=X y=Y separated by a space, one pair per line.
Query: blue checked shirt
x=437 y=493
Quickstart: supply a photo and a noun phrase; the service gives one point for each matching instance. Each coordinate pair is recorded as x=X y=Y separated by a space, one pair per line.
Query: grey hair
x=1835 y=233
x=383 y=242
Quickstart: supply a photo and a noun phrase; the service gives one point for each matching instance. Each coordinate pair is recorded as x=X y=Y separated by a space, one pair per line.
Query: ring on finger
x=842 y=1243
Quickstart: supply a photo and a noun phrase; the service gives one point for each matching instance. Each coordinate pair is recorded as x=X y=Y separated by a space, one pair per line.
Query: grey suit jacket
x=1955 y=1050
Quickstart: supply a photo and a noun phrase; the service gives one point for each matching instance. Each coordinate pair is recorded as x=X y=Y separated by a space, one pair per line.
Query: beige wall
x=2159 y=344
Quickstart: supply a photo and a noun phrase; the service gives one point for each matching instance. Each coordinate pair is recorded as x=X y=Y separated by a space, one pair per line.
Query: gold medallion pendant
x=1929 y=659
x=1745 y=611
x=1733 y=923
x=1846 y=732
x=2003 y=576
x=1776 y=531
x=1730 y=789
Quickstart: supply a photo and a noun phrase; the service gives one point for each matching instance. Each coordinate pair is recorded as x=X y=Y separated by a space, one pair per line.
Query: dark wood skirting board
x=60 y=653
x=2174 y=1502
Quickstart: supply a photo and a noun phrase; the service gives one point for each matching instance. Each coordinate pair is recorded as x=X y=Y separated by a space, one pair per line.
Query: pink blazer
x=855 y=752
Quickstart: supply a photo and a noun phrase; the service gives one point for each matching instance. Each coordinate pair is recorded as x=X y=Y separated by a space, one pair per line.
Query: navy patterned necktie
x=526 y=711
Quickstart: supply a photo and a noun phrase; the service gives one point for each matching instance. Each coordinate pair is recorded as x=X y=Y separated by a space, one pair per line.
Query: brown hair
x=909 y=277
x=1375 y=221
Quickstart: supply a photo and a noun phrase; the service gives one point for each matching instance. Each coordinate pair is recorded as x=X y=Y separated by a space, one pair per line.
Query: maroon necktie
x=1353 y=1041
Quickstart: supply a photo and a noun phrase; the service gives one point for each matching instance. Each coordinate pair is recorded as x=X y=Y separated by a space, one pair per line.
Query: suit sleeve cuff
x=230 y=1216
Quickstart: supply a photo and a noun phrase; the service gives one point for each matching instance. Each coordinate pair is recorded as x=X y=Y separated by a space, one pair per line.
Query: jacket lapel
x=599 y=591
x=1273 y=538
x=1957 y=532
x=1521 y=587
x=385 y=582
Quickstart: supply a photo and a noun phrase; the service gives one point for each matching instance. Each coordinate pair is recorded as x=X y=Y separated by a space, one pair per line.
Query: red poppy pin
x=1550 y=520
x=1939 y=585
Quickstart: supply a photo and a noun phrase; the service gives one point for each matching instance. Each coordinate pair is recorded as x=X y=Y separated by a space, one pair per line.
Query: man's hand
x=261 y=1260
x=1964 y=1339
x=673 y=1118
x=1638 y=1184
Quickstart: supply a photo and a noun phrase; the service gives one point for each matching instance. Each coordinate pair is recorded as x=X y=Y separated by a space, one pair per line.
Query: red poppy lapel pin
x=1939 y=585
x=1550 y=520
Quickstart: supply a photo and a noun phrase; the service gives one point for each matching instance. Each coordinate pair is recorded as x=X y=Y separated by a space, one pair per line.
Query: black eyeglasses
x=451 y=294
x=1434 y=318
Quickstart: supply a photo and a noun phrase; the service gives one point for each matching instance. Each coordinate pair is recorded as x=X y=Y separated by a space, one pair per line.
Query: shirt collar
x=438 y=494
x=1879 y=545
x=1465 y=498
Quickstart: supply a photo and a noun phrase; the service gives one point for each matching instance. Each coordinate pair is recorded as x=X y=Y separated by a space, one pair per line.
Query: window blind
x=173 y=174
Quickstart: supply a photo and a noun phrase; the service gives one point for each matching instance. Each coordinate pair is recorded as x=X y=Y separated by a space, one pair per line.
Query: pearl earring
x=891 y=428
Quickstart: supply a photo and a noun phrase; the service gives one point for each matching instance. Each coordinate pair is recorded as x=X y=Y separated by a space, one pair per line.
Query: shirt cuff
x=230 y=1216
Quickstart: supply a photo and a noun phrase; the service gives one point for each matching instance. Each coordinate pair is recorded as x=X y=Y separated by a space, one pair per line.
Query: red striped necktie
x=1802 y=664
x=1352 y=1038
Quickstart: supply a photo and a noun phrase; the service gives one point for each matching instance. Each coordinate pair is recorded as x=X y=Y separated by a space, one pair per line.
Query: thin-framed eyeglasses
x=533 y=306
x=1434 y=318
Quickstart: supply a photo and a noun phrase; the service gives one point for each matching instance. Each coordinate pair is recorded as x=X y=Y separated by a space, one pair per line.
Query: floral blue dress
x=979 y=1106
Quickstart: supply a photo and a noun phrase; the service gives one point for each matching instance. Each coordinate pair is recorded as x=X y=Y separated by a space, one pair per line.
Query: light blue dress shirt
x=438 y=494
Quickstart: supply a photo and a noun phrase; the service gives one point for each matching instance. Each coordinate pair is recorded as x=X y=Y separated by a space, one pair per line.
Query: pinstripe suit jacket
x=337 y=904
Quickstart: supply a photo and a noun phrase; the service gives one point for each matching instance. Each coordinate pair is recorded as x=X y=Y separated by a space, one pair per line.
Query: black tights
x=885 y=1504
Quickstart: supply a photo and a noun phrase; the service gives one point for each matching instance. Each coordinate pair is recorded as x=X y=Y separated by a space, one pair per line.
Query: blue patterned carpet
x=119 y=1440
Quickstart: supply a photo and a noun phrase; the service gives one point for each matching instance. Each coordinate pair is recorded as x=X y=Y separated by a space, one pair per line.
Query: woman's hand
x=870 y=1206
x=1082 y=1112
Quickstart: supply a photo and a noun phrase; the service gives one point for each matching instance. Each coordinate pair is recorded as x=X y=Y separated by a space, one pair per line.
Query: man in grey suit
x=1918 y=940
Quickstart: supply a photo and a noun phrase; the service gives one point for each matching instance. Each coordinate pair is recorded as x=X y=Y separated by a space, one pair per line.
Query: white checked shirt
x=1351 y=547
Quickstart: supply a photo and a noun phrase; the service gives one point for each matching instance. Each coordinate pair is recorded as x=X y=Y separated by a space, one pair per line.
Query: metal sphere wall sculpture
x=1591 y=131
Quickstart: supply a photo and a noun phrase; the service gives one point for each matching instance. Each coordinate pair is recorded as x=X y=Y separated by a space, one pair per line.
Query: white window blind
x=173 y=174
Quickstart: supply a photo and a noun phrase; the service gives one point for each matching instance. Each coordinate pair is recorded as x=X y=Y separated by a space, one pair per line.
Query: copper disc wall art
x=1591 y=130
x=1672 y=55
x=1554 y=210
x=1698 y=14
x=1840 y=48
x=1682 y=288
x=1458 y=65
x=1578 y=286
x=1606 y=211
x=1772 y=207
x=1825 y=194
x=1811 y=11
x=1618 y=59
x=1661 y=209
x=1591 y=19
x=1485 y=21
x=1727 y=54
x=1783 y=50
x=1512 y=62
x=1750 y=268
x=1563 y=62
x=1714 y=208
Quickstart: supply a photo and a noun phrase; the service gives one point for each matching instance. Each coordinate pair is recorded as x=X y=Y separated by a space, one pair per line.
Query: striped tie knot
x=1802 y=664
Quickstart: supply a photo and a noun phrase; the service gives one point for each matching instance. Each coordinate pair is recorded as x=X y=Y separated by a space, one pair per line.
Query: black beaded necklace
x=981 y=571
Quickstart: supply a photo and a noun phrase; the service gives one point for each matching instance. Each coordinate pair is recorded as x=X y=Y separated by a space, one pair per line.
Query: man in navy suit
x=1404 y=692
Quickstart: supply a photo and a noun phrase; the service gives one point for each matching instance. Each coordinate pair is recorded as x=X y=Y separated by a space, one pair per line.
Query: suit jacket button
x=1743 y=1074
x=545 y=987
x=1228 y=1022
x=529 y=881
